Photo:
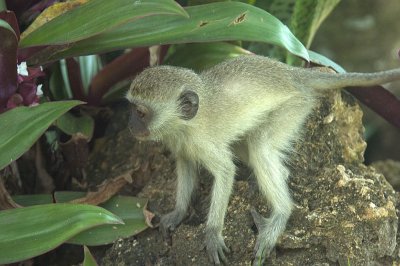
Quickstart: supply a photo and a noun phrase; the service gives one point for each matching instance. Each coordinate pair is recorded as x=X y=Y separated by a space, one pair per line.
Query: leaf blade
x=71 y=125
x=94 y=17
x=89 y=260
x=48 y=226
x=219 y=21
x=22 y=126
x=129 y=209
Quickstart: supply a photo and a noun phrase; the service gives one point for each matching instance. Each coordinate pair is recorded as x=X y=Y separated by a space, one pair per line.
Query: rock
x=391 y=170
x=345 y=212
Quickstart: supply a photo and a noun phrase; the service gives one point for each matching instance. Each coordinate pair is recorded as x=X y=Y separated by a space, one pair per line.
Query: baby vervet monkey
x=251 y=108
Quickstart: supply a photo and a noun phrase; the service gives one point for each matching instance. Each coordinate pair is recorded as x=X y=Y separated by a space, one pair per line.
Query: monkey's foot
x=268 y=233
x=169 y=222
x=216 y=247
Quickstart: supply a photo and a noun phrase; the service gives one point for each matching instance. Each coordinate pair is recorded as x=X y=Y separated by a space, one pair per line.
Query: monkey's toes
x=261 y=251
x=169 y=222
x=216 y=247
x=263 y=244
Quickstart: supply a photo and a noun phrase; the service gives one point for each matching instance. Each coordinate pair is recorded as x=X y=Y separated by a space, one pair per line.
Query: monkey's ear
x=189 y=104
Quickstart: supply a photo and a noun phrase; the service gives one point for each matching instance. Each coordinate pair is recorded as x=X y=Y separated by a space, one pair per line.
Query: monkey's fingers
x=216 y=255
x=165 y=229
x=262 y=249
x=169 y=223
x=213 y=257
x=263 y=246
x=166 y=234
x=260 y=254
x=216 y=247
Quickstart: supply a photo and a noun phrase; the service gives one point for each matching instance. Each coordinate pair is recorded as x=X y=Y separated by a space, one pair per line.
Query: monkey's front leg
x=223 y=171
x=186 y=182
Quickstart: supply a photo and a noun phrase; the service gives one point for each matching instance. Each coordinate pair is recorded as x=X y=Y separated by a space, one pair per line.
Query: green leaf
x=31 y=231
x=97 y=16
x=308 y=16
x=89 y=66
x=31 y=200
x=71 y=124
x=324 y=61
x=4 y=24
x=3 y=5
x=129 y=209
x=59 y=83
x=207 y=23
x=306 y=19
x=282 y=10
x=89 y=259
x=203 y=55
x=22 y=126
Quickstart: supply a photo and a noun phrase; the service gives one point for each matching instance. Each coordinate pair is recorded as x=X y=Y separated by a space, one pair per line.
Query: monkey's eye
x=140 y=113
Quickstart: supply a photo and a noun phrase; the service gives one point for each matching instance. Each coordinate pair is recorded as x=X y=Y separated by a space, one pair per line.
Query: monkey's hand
x=170 y=221
x=216 y=247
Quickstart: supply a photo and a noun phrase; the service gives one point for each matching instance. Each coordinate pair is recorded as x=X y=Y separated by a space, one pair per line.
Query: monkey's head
x=163 y=100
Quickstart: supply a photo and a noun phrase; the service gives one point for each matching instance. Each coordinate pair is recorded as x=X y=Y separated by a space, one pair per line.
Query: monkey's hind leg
x=271 y=175
x=267 y=148
x=186 y=182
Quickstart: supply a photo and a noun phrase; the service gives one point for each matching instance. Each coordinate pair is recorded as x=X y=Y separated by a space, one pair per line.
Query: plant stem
x=3 y=5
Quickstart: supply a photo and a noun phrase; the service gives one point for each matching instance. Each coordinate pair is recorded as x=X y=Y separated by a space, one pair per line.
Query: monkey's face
x=152 y=120
x=163 y=100
x=140 y=118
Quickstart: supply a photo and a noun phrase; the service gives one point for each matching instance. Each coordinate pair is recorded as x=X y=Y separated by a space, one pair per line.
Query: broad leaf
x=206 y=23
x=306 y=19
x=22 y=126
x=2 y=5
x=89 y=67
x=59 y=86
x=88 y=258
x=129 y=209
x=303 y=18
x=97 y=16
x=31 y=231
x=11 y=19
x=324 y=61
x=282 y=10
x=71 y=125
x=54 y=10
x=308 y=16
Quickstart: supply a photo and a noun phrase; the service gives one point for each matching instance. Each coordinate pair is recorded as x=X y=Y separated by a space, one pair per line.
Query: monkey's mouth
x=141 y=138
x=140 y=135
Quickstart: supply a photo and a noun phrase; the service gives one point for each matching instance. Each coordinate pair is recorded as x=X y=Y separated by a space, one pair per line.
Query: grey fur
x=250 y=107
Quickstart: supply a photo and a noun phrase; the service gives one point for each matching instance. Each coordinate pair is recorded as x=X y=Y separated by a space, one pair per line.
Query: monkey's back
x=249 y=89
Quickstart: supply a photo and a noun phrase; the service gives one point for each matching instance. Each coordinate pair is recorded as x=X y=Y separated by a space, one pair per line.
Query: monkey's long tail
x=323 y=80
